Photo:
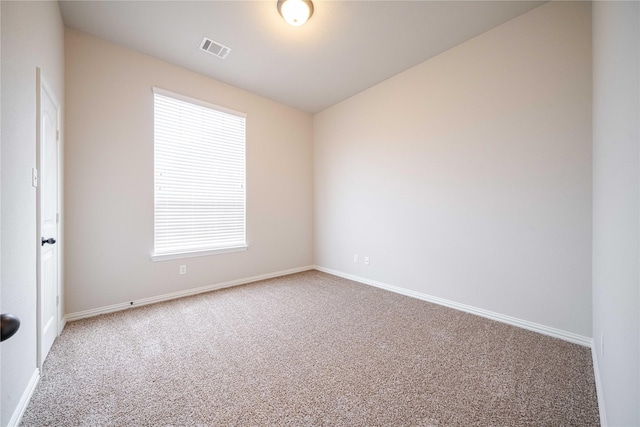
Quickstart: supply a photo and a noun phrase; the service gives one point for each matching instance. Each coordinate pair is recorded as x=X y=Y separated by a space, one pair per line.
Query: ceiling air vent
x=214 y=48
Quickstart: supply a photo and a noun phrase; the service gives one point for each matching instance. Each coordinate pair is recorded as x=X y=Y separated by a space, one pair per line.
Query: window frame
x=197 y=252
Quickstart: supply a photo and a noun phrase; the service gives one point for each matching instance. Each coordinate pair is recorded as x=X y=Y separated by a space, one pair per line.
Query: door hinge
x=57 y=135
x=57 y=299
x=57 y=218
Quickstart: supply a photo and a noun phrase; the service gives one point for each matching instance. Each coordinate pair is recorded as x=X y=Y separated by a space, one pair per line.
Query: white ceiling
x=345 y=48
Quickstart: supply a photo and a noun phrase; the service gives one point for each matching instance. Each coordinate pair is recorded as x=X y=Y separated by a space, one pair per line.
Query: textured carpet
x=305 y=350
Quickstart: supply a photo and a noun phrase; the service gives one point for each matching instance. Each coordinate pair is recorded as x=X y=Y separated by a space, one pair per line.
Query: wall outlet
x=601 y=344
x=183 y=269
x=355 y=258
x=367 y=261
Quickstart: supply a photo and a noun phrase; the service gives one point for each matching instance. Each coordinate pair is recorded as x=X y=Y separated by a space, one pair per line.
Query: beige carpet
x=306 y=350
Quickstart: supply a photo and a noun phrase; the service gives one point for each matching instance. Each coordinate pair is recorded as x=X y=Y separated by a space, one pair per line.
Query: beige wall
x=468 y=177
x=32 y=36
x=109 y=179
x=616 y=208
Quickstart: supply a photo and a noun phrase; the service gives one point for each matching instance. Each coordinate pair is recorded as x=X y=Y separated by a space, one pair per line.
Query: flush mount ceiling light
x=295 y=12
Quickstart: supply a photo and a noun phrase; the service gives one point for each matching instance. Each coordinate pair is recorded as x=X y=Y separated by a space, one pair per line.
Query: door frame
x=41 y=85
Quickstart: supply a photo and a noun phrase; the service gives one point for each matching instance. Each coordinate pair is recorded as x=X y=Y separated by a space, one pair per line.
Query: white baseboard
x=599 y=391
x=16 y=418
x=525 y=324
x=174 y=295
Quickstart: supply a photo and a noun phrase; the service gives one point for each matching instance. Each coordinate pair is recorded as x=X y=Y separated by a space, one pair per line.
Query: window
x=199 y=168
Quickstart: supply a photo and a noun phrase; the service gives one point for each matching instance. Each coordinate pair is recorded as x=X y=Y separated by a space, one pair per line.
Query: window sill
x=179 y=255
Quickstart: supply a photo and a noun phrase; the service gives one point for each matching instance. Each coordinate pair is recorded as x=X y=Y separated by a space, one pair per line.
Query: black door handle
x=9 y=325
x=50 y=241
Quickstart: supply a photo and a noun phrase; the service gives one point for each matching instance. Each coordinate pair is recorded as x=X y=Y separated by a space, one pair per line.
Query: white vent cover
x=214 y=48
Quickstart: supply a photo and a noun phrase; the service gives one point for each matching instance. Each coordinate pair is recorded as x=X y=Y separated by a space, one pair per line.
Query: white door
x=48 y=183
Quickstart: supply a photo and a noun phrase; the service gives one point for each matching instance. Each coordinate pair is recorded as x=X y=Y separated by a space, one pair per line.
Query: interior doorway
x=47 y=182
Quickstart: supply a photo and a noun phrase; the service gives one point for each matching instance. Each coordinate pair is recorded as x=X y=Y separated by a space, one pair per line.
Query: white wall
x=616 y=207
x=468 y=177
x=32 y=36
x=109 y=179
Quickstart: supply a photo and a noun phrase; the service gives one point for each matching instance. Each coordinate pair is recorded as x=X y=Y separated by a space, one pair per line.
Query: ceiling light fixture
x=295 y=12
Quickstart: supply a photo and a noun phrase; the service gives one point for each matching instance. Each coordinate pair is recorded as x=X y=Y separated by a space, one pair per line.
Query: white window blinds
x=199 y=159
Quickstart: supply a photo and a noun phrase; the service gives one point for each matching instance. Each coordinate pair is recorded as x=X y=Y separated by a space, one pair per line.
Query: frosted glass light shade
x=295 y=12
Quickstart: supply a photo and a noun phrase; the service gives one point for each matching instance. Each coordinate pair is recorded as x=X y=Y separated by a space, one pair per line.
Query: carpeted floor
x=305 y=350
